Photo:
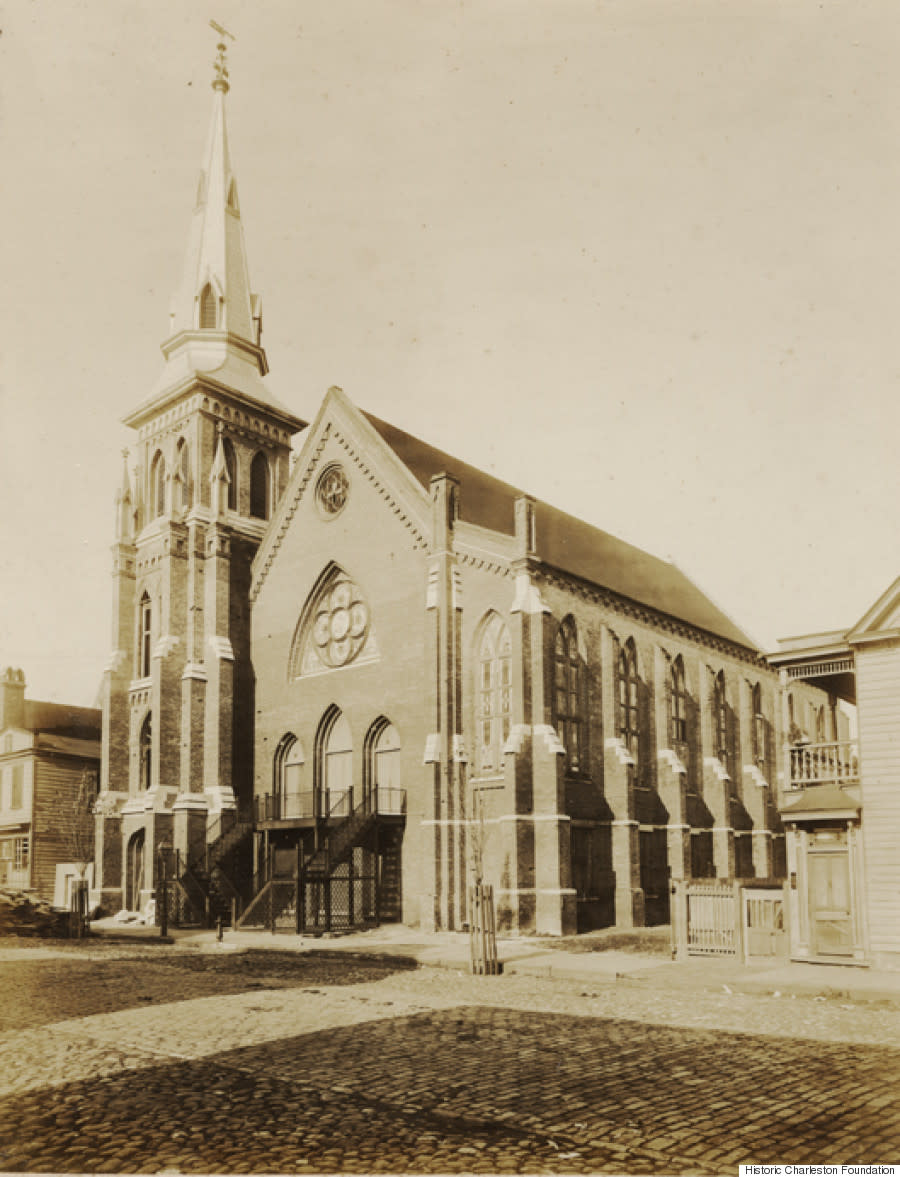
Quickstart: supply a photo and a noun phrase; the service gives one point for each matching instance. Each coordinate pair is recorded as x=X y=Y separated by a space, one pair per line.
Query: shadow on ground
x=472 y=1089
x=39 y=992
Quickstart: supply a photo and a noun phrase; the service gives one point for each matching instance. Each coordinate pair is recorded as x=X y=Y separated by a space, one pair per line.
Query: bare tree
x=78 y=831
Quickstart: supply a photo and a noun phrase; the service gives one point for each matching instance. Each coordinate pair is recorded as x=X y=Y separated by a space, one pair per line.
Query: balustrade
x=821 y=764
x=337 y=803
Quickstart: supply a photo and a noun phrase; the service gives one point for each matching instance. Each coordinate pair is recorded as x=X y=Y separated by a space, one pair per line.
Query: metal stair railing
x=273 y=895
x=341 y=839
x=192 y=889
x=285 y=806
x=205 y=854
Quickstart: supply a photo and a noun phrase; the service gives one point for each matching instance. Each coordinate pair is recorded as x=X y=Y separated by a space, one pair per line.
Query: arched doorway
x=289 y=800
x=134 y=871
x=334 y=783
x=382 y=776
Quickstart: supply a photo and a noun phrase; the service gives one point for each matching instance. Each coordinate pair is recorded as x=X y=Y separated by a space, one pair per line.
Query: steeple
x=215 y=320
x=215 y=290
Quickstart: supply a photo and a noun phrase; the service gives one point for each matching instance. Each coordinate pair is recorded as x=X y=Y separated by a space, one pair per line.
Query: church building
x=384 y=667
x=213 y=450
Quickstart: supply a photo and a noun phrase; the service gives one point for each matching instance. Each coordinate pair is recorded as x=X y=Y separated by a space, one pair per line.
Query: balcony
x=305 y=807
x=822 y=764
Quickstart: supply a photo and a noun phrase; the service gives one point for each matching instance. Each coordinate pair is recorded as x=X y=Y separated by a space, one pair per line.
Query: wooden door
x=831 y=921
x=134 y=879
x=764 y=930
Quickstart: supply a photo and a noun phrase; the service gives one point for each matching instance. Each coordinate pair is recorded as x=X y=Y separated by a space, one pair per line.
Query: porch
x=306 y=808
x=811 y=765
x=328 y=860
x=821 y=804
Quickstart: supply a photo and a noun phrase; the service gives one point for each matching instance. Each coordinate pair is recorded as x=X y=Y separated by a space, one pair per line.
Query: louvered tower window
x=231 y=467
x=259 y=486
x=209 y=310
x=158 y=485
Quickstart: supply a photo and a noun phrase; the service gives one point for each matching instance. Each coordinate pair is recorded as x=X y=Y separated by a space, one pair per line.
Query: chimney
x=12 y=698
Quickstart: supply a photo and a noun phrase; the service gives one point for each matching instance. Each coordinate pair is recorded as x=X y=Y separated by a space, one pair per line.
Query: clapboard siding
x=56 y=786
x=878 y=710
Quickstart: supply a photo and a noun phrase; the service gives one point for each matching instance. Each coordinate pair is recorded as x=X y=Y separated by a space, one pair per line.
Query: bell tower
x=212 y=453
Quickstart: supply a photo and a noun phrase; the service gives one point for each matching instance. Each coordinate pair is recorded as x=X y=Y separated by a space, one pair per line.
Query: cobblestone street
x=148 y=1059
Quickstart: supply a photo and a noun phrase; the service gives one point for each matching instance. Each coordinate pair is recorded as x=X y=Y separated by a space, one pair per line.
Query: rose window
x=341 y=624
x=331 y=490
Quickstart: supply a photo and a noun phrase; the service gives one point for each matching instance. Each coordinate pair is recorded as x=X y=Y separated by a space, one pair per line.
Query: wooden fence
x=740 y=920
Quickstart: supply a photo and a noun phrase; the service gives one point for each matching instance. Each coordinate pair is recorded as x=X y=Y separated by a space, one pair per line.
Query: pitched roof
x=565 y=542
x=61 y=719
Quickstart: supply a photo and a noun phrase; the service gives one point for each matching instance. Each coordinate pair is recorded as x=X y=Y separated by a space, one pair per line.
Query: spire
x=215 y=291
x=216 y=322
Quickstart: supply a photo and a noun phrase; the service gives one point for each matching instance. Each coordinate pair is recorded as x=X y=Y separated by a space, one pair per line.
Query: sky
x=638 y=257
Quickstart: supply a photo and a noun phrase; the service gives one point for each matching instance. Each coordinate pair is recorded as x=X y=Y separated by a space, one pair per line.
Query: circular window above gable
x=331 y=490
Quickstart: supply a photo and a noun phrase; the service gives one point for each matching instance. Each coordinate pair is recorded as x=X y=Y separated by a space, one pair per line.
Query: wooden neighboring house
x=841 y=798
x=49 y=753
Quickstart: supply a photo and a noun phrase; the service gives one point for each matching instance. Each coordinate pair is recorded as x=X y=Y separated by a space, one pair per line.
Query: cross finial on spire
x=220 y=81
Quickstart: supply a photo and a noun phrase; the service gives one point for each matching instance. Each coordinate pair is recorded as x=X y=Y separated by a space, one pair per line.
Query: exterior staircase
x=216 y=874
x=341 y=840
x=311 y=885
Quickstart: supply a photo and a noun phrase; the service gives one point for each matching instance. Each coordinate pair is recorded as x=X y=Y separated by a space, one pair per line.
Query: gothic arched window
x=259 y=486
x=231 y=468
x=568 y=714
x=145 y=746
x=629 y=723
x=494 y=695
x=720 y=721
x=158 y=484
x=760 y=743
x=677 y=704
x=335 y=627
x=209 y=309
